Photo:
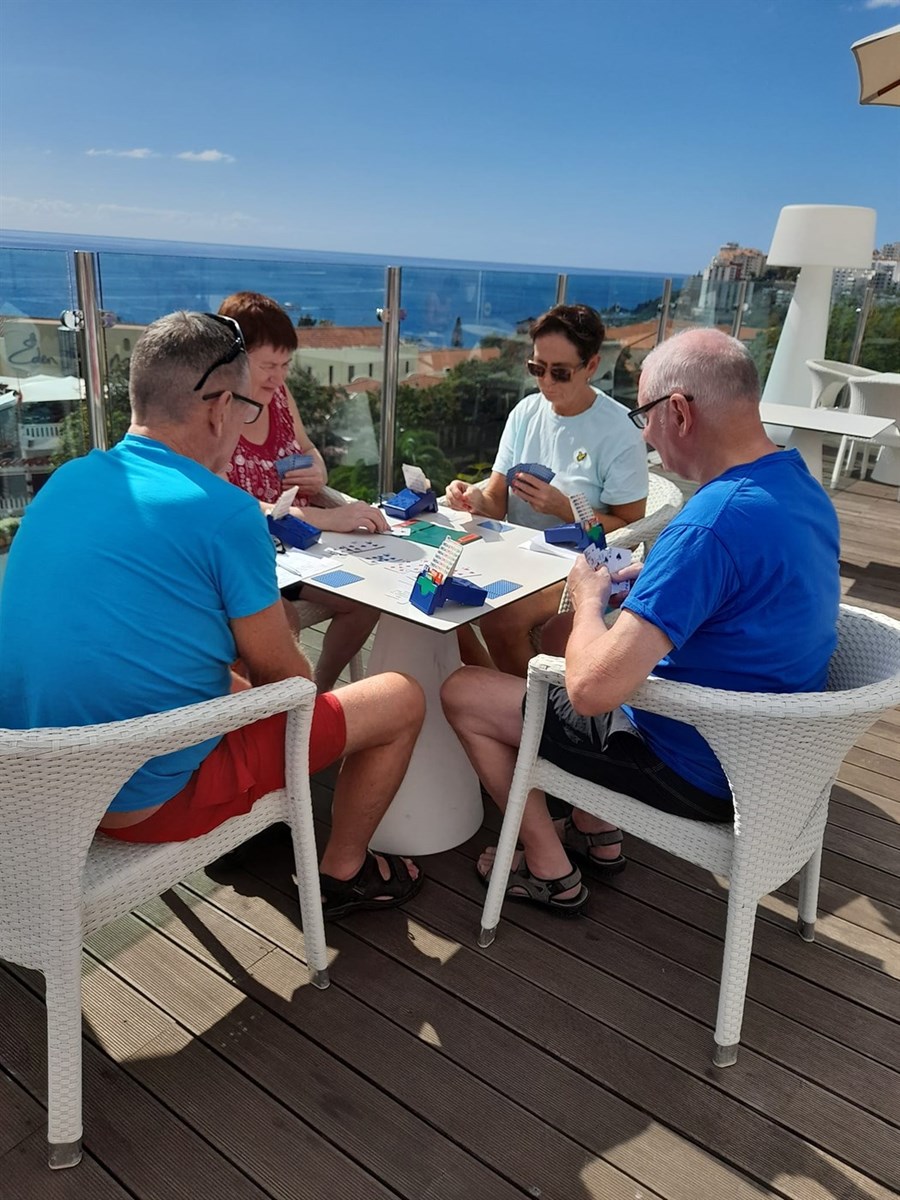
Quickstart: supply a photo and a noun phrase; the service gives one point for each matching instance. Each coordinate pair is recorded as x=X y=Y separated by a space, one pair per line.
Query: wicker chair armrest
x=173 y=730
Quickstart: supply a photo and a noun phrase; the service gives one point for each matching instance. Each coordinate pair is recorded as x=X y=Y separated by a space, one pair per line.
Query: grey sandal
x=578 y=846
x=544 y=891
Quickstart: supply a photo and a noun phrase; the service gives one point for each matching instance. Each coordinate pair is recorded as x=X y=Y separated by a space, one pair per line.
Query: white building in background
x=720 y=281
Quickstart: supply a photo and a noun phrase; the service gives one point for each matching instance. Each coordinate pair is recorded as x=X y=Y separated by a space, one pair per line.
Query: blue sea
x=143 y=279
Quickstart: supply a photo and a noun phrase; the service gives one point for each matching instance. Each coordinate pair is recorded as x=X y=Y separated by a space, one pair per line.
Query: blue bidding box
x=407 y=503
x=293 y=532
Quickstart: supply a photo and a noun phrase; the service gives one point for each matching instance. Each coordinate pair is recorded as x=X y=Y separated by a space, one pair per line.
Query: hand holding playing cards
x=594 y=586
x=541 y=496
x=307 y=476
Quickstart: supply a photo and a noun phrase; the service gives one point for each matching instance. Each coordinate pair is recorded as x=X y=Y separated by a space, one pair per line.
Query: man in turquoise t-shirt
x=739 y=592
x=140 y=575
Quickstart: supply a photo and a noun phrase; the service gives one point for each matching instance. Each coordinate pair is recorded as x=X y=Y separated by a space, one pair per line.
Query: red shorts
x=246 y=764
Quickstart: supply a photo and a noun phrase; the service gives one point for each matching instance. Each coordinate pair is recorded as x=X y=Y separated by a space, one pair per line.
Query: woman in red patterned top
x=271 y=340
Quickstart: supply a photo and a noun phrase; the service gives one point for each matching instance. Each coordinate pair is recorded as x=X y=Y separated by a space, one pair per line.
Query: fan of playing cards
x=538 y=470
x=614 y=558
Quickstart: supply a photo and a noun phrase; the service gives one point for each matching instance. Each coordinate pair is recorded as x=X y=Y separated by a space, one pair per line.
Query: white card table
x=809 y=426
x=438 y=805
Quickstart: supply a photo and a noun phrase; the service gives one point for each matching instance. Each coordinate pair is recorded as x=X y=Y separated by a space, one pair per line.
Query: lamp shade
x=823 y=235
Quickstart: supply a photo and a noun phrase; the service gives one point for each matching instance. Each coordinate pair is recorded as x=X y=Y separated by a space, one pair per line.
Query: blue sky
x=623 y=134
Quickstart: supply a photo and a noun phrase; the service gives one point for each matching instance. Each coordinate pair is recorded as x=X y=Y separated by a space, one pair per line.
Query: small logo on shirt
x=581 y=456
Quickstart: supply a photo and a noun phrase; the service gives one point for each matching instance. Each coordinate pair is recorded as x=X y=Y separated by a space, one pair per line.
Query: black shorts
x=607 y=749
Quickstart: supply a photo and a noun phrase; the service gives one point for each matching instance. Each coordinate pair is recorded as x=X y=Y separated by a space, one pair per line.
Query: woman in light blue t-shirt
x=584 y=437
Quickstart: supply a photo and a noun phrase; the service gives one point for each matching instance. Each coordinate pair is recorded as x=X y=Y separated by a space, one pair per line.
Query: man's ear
x=215 y=412
x=684 y=416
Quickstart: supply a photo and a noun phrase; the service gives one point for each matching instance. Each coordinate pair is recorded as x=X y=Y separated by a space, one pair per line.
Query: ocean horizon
x=143 y=278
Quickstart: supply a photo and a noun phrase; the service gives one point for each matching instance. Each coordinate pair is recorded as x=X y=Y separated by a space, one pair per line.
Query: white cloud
x=140 y=153
x=882 y=4
x=42 y=214
x=205 y=156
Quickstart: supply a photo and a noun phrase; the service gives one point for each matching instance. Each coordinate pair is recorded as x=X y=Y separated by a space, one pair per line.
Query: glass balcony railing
x=40 y=380
x=460 y=369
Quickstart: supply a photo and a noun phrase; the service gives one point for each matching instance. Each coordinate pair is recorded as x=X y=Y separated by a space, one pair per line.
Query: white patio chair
x=877 y=395
x=59 y=882
x=308 y=612
x=829 y=378
x=781 y=754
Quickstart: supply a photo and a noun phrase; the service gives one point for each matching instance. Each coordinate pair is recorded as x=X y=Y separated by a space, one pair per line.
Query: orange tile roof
x=443 y=360
x=335 y=337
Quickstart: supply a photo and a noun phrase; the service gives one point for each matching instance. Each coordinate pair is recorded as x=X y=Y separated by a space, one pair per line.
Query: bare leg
x=555 y=634
x=471 y=649
x=384 y=715
x=347 y=631
x=507 y=630
x=485 y=710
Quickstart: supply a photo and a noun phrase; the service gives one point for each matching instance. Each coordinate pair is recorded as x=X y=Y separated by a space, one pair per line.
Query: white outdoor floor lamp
x=817 y=238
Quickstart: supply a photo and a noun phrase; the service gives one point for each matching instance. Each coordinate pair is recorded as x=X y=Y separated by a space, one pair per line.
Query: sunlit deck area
x=571 y=1060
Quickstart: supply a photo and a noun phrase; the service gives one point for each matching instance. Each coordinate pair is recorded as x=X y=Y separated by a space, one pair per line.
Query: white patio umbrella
x=878 y=61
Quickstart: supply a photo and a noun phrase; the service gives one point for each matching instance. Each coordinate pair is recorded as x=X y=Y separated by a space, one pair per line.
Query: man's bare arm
x=604 y=666
x=267 y=647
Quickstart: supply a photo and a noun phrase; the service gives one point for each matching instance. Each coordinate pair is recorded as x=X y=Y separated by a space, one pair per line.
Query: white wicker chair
x=59 y=883
x=876 y=395
x=781 y=754
x=309 y=613
x=829 y=378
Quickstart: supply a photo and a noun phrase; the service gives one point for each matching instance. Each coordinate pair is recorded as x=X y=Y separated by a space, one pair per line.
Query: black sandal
x=543 y=892
x=367 y=888
x=578 y=846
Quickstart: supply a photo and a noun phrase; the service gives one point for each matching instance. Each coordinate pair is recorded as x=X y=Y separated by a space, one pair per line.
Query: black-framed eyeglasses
x=254 y=408
x=638 y=416
x=238 y=347
x=557 y=374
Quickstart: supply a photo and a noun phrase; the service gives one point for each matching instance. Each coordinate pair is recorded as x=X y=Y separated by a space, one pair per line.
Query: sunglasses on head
x=557 y=374
x=238 y=347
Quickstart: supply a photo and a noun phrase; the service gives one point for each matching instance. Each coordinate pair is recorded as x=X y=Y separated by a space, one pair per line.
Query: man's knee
x=405 y=698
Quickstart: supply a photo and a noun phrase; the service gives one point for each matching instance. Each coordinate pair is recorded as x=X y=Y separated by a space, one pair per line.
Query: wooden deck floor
x=570 y=1061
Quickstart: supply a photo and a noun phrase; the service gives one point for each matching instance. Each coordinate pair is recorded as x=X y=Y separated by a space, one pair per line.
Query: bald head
x=707 y=364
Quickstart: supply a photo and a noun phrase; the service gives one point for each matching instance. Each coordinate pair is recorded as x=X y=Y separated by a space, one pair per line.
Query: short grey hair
x=168 y=359
x=705 y=363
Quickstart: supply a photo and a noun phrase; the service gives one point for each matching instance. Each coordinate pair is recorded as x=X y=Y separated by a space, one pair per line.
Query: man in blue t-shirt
x=167 y=574
x=739 y=592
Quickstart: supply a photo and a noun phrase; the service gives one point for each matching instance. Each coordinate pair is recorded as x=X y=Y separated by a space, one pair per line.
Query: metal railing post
x=739 y=309
x=861 y=320
x=390 y=319
x=92 y=340
x=562 y=283
x=664 y=312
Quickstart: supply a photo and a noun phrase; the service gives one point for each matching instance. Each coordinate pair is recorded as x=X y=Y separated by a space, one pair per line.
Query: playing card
x=537 y=469
x=283 y=503
x=336 y=579
x=362 y=548
x=495 y=526
x=384 y=558
x=500 y=588
x=614 y=558
x=292 y=462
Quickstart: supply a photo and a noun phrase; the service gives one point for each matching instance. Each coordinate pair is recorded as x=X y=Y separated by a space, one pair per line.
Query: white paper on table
x=299 y=563
x=542 y=546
